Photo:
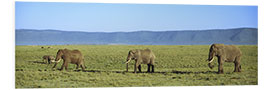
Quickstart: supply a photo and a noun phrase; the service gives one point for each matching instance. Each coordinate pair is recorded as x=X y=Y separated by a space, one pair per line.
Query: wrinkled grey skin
x=225 y=53
x=48 y=59
x=145 y=56
x=70 y=56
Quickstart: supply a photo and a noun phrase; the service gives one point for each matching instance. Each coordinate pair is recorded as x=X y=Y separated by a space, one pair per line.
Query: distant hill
x=242 y=36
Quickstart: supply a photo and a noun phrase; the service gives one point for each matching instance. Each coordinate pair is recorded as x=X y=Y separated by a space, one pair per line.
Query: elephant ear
x=60 y=50
x=219 y=48
x=131 y=52
x=65 y=49
x=134 y=53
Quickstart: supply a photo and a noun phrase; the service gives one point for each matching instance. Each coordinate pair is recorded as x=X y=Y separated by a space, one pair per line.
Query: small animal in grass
x=48 y=59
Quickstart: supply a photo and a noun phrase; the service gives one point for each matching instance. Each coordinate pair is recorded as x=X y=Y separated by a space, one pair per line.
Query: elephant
x=145 y=56
x=48 y=59
x=225 y=53
x=70 y=56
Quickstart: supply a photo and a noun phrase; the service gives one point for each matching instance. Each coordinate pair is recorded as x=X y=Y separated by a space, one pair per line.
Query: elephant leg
x=239 y=63
x=66 y=66
x=148 y=69
x=45 y=60
x=139 y=67
x=237 y=66
x=220 y=69
x=83 y=67
x=77 y=66
x=152 y=68
x=220 y=65
x=49 y=61
x=63 y=65
x=135 y=67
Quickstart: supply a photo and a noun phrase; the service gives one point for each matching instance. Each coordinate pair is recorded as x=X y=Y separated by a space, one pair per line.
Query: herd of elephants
x=224 y=53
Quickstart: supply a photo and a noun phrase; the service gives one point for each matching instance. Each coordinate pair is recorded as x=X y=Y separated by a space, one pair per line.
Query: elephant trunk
x=128 y=60
x=209 y=63
x=210 y=66
x=127 y=67
x=210 y=59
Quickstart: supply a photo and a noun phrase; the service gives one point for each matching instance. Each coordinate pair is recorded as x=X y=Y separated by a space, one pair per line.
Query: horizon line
x=138 y=30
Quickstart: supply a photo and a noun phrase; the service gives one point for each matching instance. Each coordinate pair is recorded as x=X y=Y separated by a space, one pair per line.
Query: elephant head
x=59 y=55
x=215 y=50
x=131 y=56
x=51 y=59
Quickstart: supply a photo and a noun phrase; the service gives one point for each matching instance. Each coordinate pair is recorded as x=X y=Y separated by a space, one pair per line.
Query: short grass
x=176 y=65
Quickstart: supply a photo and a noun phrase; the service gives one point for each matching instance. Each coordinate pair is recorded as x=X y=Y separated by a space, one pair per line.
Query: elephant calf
x=48 y=59
x=225 y=53
x=145 y=56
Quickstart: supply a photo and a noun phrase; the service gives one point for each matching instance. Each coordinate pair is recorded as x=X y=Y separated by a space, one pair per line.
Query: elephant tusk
x=128 y=61
x=56 y=61
x=211 y=60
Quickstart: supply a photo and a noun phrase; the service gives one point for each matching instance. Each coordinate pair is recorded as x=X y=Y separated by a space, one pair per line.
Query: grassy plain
x=176 y=65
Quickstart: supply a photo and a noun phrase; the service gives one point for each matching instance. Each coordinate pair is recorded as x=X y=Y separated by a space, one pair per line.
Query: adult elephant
x=225 y=53
x=70 y=56
x=145 y=56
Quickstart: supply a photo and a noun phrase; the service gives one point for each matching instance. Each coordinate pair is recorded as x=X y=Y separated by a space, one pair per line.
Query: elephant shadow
x=159 y=72
x=88 y=71
x=99 y=71
x=186 y=72
x=190 y=72
x=38 y=62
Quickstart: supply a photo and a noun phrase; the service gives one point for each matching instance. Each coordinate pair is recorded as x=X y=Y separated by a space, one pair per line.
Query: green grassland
x=176 y=65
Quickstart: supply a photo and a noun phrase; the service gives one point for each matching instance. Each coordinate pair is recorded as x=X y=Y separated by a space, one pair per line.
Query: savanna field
x=175 y=65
